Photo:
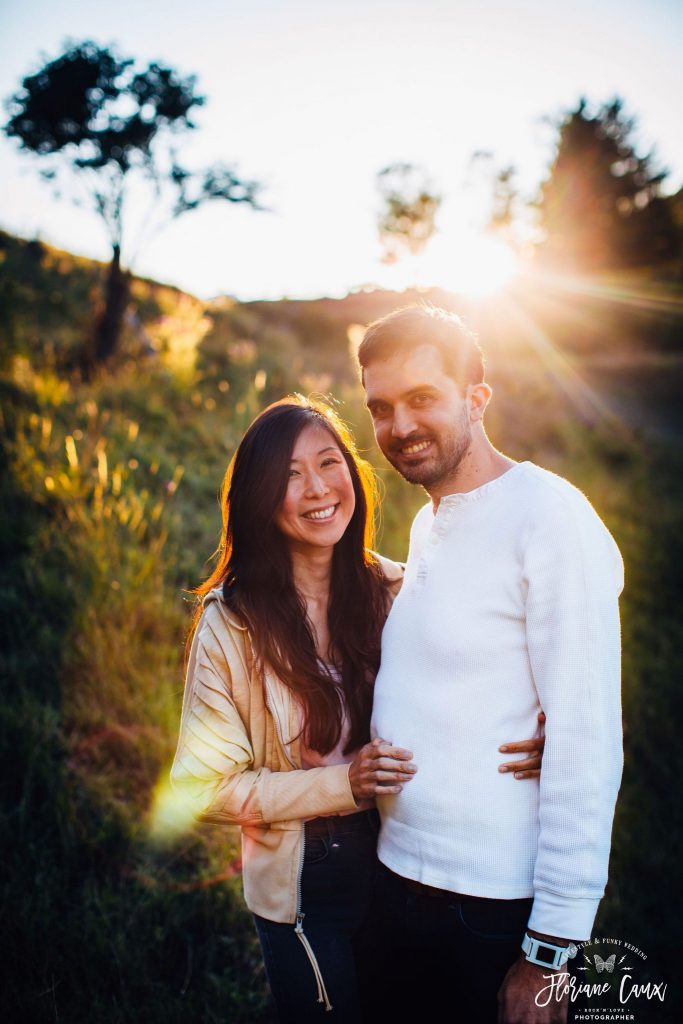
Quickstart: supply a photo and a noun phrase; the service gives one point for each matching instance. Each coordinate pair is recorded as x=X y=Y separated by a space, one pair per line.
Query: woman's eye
x=293 y=472
x=331 y=462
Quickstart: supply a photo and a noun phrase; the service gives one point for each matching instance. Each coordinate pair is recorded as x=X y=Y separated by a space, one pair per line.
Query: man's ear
x=478 y=397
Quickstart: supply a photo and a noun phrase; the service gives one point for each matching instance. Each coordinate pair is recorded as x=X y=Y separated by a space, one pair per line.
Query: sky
x=314 y=97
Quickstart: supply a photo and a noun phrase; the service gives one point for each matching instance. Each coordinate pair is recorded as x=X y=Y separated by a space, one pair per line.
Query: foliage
x=92 y=116
x=109 y=509
x=409 y=208
x=504 y=212
x=602 y=206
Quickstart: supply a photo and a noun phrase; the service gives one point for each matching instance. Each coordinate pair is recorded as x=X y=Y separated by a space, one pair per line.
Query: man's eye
x=378 y=410
x=421 y=399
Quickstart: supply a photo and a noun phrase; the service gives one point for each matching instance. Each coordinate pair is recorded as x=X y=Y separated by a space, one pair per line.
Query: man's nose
x=403 y=423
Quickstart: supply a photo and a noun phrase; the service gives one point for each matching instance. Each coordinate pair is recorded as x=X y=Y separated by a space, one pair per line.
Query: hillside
x=109 y=514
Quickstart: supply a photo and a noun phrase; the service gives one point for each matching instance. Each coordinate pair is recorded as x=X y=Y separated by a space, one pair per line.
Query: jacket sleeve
x=213 y=770
x=573 y=574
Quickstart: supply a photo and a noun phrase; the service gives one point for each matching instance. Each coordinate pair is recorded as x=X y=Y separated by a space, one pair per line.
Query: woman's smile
x=319 y=501
x=321 y=514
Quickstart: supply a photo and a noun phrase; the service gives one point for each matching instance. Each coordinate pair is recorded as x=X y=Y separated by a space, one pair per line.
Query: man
x=509 y=605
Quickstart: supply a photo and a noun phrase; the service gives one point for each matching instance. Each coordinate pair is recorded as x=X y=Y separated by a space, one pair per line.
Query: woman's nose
x=316 y=485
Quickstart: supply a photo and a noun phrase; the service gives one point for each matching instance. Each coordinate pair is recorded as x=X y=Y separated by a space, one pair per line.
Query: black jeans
x=339 y=873
x=454 y=950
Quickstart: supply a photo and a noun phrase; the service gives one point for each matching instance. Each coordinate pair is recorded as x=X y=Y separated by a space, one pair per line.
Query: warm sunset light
x=271 y=274
x=486 y=268
x=475 y=265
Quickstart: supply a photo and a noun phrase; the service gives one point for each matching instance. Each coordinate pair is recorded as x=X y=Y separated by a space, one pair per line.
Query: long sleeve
x=573 y=575
x=214 y=763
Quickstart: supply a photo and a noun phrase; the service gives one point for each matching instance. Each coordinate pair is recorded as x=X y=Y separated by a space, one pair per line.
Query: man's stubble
x=439 y=469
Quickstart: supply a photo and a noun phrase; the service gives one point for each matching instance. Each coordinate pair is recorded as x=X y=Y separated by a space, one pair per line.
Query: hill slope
x=109 y=512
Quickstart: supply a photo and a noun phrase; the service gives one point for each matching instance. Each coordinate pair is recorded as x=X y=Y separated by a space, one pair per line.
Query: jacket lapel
x=281 y=705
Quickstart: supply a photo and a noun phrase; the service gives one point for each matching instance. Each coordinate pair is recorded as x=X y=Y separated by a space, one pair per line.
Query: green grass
x=109 y=512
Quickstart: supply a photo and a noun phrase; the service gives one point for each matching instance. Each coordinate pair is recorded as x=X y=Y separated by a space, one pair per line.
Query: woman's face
x=319 y=501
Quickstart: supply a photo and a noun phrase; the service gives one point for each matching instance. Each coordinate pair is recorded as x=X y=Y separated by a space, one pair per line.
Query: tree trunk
x=108 y=331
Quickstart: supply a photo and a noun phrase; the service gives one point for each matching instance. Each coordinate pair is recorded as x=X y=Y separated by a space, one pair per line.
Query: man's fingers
x=530 y=774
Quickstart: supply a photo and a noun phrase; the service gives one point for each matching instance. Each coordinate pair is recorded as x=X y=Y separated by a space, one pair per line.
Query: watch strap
x=544 y=954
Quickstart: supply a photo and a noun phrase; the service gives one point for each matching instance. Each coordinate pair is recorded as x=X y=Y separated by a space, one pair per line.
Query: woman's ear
x=478 y=397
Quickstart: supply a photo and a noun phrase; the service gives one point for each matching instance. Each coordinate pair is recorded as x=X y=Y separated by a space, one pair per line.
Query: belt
x=326 y=825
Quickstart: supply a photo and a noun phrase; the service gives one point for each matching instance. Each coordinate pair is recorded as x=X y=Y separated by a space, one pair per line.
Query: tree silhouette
x=601 y=206
x=92 y=118
x=409 y=207
x=504 y=197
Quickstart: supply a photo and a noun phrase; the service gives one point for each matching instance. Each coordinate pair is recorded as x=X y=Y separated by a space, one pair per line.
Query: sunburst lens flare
x=478 y=267
x=489 y=267
x=171 y=815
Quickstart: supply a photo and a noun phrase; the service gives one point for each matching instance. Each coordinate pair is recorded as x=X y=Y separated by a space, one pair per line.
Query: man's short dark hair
x=407 y=329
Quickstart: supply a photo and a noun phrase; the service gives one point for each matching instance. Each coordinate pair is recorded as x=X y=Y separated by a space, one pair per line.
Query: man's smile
x=414 y=447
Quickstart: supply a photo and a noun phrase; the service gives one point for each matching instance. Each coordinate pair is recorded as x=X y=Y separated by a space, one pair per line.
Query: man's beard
x=443 y=464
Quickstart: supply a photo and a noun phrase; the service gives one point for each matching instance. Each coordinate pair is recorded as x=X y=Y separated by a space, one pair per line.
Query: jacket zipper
x=299 y=926
x=299 y=932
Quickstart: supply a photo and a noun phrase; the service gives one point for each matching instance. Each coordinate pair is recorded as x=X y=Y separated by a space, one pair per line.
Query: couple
x=508 y=611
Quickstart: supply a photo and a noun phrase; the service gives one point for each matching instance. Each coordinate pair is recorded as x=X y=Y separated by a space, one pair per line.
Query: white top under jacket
x=509 y=605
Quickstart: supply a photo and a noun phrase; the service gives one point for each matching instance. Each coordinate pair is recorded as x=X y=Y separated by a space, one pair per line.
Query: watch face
x=545 y=954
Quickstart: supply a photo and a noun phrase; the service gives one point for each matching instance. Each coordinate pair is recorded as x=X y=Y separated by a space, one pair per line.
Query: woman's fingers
x=523 y=746
x=530 y=774
x=529 y=767
x=521 y=765
x=381 y=748
x=389 y=776
x=380 y=769
x=389 y=764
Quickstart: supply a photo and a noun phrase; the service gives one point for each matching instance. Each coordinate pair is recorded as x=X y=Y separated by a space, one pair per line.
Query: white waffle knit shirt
x=509 y=605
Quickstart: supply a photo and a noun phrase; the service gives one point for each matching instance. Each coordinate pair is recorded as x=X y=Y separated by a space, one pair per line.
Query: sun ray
x=657 y=299
x=587 y=401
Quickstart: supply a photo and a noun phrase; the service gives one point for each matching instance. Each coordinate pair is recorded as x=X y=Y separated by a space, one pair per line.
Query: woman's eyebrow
x=330 y=448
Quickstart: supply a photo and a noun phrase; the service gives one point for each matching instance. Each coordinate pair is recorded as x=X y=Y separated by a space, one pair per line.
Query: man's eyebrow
x=405 y=394
x=329 y=448
x=421 y=387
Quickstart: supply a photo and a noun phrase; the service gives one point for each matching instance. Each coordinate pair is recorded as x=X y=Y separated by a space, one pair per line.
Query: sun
x=488 y=267
x=477 y=266
x=468 y=263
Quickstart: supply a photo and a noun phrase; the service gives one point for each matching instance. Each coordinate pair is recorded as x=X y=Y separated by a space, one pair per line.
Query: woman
x=275 y=725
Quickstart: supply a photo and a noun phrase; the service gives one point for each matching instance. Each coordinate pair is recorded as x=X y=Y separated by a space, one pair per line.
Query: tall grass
x=109 y=511
x=102 y=921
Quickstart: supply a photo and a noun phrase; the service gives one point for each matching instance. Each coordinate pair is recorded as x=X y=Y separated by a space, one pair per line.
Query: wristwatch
x=545 y=954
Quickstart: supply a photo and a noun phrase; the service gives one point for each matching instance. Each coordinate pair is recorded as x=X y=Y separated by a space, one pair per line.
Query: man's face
x=420 y=418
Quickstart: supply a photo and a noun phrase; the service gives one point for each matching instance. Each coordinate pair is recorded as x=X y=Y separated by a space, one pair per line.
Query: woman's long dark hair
x=254 y=568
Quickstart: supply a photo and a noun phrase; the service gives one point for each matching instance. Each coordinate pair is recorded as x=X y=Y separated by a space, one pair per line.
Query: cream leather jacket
x=238 y=758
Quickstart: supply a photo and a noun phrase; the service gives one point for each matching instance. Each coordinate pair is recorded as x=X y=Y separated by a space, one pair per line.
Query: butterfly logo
x=601 y=965
x=605 y=965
